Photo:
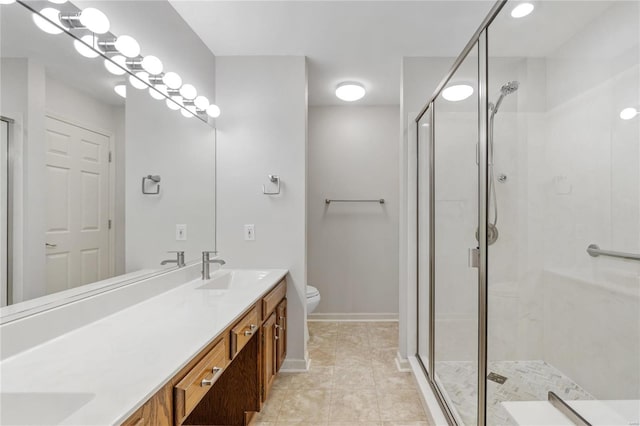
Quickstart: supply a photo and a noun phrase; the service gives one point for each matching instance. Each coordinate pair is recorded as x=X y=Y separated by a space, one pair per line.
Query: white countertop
x=596 y=412
x=101 y=373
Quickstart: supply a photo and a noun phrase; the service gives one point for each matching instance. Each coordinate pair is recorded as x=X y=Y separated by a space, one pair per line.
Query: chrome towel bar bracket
x=594 y=251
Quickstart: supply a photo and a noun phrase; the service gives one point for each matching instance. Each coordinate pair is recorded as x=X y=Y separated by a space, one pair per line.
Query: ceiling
x=343 y=40
x=365 y=40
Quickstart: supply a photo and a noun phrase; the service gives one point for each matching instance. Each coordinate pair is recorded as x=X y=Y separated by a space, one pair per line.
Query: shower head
x=506 y=89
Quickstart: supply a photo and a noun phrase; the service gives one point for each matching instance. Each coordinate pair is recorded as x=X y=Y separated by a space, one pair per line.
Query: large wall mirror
x=105 y=169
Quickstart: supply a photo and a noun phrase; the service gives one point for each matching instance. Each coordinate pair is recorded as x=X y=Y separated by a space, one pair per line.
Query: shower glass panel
x=423 y=149
x=564 y=173
x=456 y=221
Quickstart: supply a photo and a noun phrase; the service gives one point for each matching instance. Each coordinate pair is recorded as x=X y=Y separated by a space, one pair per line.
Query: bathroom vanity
x=200 y=352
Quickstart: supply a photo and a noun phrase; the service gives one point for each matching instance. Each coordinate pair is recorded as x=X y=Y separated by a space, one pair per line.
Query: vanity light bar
x=95 y=21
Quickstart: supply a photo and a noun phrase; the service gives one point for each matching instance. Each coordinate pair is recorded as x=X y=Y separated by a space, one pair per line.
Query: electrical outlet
x=181 y=232
x=249 y=232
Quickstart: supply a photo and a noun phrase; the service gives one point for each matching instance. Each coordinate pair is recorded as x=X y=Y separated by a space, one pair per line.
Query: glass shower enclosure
x=529 y=219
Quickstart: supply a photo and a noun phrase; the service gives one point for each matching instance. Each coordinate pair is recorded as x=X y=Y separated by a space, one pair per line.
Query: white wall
x=263 y=130
x=352 y=248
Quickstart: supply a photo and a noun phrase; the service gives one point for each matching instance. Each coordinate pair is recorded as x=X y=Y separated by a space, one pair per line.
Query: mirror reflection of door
x=77 y=206
x=4 y=226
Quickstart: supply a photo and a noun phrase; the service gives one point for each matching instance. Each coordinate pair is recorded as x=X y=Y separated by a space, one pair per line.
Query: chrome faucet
x=179 y=260
x=206 y=261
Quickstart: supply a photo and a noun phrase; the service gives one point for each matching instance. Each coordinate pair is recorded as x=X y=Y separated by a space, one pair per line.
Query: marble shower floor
x=526 y=381
x=353 y=381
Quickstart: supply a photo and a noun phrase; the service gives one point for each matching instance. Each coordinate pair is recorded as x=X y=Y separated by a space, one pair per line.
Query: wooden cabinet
x=227 y=382
x=281 y=333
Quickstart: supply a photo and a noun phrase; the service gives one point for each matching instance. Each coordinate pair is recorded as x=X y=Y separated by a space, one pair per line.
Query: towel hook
x=275 y=179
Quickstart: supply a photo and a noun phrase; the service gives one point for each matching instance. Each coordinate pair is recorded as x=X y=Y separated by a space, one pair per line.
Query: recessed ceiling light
x=459 y=92
x=628 y=113
x=522 y=10
x=350 y=92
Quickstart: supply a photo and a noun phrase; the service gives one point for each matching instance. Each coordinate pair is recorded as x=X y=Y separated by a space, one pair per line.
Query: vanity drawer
x=271 y=300
x=242 y=332
x=190 y=390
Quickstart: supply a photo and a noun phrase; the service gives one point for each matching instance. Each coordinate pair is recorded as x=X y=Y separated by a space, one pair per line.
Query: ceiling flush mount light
x=350 y=91
x=85 y=50
x=456 y=93
x=121 y=89
x=522 y=10
x=152 y=65
x=128 y=46
x=52 y=15
x=628 y=113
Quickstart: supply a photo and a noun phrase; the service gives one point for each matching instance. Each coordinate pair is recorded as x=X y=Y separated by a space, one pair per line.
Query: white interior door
x=4 y=259
x=77 y=203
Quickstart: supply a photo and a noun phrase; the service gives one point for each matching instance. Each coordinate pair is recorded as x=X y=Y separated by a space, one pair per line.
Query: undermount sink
x=40 y=408
x=223 y=279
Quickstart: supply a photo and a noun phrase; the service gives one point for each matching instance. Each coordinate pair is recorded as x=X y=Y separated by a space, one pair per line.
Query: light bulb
x=135 y=82
x=94 y=20
x=522 y=10
x=46 y=26
x=188 y=112
x=172 y=80
x=201 y=102
x=7 y=1
x=128 y=46
x=213 y=111
x=350 y=91
x=58 y=1
x=121 y=89
x=114 y=69
x=188 y=91
x=85 y=50
x=159 y=93
x=172 y=103
x=152 y=65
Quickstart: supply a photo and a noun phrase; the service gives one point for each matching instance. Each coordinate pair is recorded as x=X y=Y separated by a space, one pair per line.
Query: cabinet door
x=281 y=333
x=268 y=354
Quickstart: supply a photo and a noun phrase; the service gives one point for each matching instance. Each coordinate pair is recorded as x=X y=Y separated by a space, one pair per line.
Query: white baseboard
x=428 y=398
x=352 y=317
x=295 y=365
x=402 y=364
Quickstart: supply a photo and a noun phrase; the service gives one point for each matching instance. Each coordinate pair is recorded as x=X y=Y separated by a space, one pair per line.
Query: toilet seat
x=312 y=292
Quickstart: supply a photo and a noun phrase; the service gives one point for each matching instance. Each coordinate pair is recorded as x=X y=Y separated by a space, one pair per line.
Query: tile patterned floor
x=526 y=381
x=353 y=381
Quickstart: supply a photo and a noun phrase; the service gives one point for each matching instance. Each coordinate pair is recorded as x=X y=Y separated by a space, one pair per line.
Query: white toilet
x=313 y=299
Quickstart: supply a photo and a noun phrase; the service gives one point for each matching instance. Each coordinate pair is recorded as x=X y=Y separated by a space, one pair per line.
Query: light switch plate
x=249 y=232
x=181 y=232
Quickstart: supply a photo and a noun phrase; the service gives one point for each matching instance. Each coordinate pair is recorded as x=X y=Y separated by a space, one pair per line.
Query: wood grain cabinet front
x=190 y=390
x=269 y=346
x=281 y=333
x=243 y=331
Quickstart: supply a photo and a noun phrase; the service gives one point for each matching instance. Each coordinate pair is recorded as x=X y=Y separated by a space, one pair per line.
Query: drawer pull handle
x=209 y=382
x=251 y=330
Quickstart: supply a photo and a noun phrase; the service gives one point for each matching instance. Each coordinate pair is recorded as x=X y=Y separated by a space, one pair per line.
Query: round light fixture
x=425 y=125
x=121 y=89
x=171 y=103
x=522 y=10
x=458 y=92
x=137 y=83
x=628 y=113
x=58 y=1
x=188 y=112
x=350 y=92
x=128 y=46
x=188 y=91
x=94 y=20
x=85 y=50
x=213 y=111
x=113 y=68
x=201 y=102
x=46 y=26
x=158 y=92
x=152 y=65
x=172 y=80
x=8 y=1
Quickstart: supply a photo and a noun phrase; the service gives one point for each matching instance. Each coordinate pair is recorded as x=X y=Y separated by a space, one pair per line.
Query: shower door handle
x=474 y=257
